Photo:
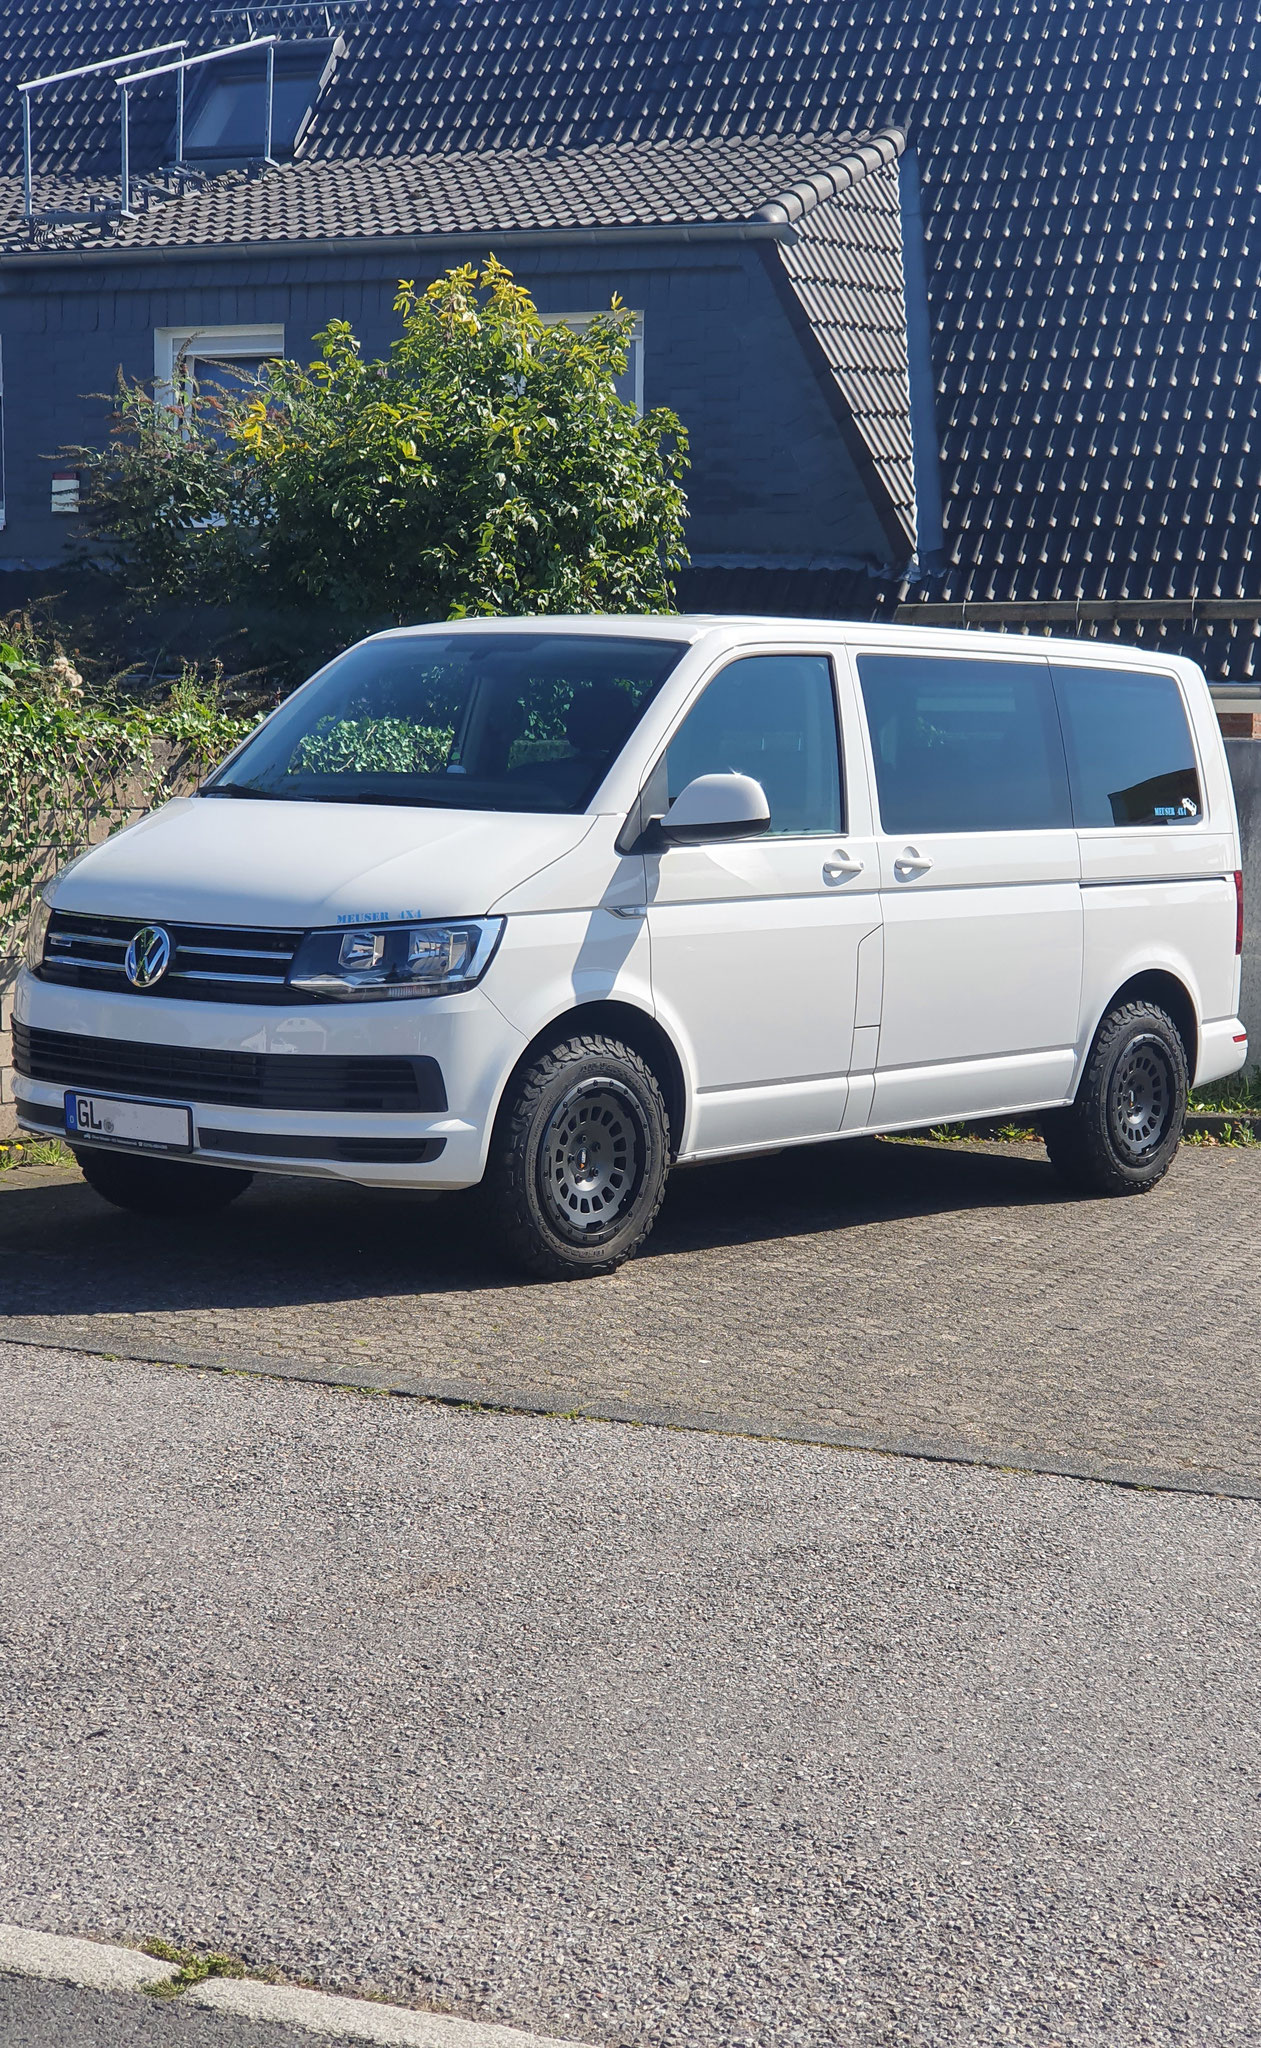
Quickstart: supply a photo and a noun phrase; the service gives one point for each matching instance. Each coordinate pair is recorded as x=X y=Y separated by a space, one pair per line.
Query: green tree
x=487 y=465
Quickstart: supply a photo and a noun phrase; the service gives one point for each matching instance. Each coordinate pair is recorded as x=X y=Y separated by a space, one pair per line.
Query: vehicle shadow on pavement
x=64 y=1252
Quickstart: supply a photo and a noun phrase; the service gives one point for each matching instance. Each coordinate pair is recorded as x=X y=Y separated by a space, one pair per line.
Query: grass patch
x=194 y=1966
x=16 y=1152
x=1238 y=1095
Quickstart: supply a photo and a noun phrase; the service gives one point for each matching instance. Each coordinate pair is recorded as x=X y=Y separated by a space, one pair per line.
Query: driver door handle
x=840 y=865
x=911 y=862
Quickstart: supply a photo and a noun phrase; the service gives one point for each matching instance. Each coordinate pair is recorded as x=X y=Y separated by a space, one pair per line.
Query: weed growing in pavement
x=1239 y=1093
x=195 y=1966
x=33 y=1152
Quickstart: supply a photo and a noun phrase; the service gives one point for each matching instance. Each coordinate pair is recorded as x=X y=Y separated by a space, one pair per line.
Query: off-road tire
x=159 y=1187
x=578 y=1160
x=1120 y=1134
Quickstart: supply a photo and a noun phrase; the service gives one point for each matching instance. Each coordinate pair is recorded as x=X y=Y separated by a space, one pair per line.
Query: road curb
x=357 y=2019
x=510 y=1401
x=102 y=1966
x=68 y=1959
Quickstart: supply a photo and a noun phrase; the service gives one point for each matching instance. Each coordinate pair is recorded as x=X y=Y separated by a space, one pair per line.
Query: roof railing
x=31 y=85
x=178 y=69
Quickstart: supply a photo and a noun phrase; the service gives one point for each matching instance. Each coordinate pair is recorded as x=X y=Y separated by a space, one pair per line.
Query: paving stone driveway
x=902 y=1296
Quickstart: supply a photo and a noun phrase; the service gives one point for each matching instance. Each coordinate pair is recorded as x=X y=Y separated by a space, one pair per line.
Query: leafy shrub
x=486 y=465
x=77 y=762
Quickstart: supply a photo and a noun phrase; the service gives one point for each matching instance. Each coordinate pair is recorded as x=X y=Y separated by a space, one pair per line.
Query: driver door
x=757 y=944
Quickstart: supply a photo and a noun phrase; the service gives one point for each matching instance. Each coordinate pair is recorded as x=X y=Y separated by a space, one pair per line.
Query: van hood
x=216 y=860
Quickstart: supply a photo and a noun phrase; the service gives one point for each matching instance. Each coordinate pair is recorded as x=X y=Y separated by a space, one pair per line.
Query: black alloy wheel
x=578 y=1160
x=1120 y=1134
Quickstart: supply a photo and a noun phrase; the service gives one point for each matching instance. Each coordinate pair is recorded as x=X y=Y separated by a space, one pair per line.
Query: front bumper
x=473 y=1044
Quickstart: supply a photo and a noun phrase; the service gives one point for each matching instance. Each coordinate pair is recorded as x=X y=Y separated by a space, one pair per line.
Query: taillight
x=1239 y=910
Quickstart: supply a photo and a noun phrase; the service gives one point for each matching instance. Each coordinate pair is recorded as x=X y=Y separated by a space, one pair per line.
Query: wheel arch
x=637 y=1029
x=1158 y=985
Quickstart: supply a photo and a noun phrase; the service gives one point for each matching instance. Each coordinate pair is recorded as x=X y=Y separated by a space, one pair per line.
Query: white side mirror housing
x=716 y=807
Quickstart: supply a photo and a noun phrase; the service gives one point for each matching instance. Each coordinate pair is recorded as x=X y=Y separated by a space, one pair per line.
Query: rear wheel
x=160 y=1187
x=1120 y=1134
x=579 y=1159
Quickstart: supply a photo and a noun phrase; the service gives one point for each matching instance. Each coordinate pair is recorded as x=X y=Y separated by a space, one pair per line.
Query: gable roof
x=1090 y=178
x=753 y=182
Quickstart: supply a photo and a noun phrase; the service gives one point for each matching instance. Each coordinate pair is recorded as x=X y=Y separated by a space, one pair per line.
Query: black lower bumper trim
x=49 y=1116
x=345 y=1151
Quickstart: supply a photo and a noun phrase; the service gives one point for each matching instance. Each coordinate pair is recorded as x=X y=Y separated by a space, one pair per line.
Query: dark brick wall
x=771 y=479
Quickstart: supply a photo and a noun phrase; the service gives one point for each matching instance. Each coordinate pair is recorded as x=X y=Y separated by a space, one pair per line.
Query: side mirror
x=715 y=807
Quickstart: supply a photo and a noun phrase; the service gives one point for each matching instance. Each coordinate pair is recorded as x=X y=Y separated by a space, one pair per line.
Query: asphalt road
x=627 y=1735
x=40 y=2015
x=948 y=1298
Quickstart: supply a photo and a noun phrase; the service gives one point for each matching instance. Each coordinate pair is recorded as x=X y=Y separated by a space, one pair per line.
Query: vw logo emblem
x=147 y=957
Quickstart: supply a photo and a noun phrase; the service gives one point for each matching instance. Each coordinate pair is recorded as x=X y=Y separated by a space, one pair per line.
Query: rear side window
x=771 y=716
x=964 y=744
x=1130 y=756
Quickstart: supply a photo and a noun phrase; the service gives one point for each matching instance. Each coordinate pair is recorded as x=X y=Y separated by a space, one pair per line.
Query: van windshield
x=528 y=721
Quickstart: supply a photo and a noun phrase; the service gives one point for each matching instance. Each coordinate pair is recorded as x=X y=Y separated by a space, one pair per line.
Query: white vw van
x=548 y=906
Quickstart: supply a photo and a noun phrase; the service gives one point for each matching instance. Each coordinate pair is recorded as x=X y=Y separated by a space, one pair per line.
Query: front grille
x=366 y=1082
x=209 y=963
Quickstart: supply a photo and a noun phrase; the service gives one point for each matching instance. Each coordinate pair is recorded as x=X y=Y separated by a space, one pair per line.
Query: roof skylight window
x=227 y=121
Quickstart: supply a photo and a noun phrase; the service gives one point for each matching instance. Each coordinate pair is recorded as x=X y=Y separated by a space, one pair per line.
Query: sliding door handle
x=841 y=865
x=911 y=862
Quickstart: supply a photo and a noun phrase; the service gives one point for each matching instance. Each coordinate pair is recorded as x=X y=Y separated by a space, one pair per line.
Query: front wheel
x=578 y=1161
x=1119 y=1136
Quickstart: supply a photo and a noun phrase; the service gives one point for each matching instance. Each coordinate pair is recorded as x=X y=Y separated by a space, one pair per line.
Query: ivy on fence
x=73 y=770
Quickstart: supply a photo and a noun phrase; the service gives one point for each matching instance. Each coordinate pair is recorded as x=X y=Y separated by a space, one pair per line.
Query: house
x=765 y=274
x=957 y=300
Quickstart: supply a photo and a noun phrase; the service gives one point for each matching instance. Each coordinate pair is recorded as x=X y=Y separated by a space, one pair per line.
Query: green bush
x=487 y=465
x=77 y=763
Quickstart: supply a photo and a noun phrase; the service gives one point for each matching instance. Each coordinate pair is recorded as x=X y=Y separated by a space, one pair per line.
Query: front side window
x=528 y=721
x=771 y=716
x=1130 y=756
x=964 y=743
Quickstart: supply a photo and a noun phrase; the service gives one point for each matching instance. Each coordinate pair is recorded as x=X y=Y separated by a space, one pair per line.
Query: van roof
x=694 y=626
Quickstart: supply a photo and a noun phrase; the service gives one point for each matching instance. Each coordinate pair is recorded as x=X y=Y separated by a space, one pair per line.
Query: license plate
x=145 y=1126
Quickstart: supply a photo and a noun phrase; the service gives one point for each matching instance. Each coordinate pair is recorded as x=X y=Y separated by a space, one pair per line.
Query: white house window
x=187 y=360
x=631 y=386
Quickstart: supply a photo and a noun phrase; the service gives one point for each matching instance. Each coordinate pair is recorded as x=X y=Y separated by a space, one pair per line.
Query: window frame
x=635 y=356
x=654 y=789
x=177 y=350
x=1030 y=658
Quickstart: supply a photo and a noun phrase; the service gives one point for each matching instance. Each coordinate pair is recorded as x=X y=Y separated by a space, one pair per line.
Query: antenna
x=325 y=7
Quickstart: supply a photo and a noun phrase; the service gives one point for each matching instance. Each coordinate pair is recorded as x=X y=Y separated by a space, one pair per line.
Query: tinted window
x=964 y=744
x=528 y=721
x=1129 y=747
x=771 y=716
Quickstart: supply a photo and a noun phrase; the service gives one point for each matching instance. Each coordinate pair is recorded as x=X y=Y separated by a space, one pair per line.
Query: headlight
x=371 y=964
x=37 y=932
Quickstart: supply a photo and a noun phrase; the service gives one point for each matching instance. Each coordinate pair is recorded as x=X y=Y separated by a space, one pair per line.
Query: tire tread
x=505 y=1186
x=1076 y=1137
